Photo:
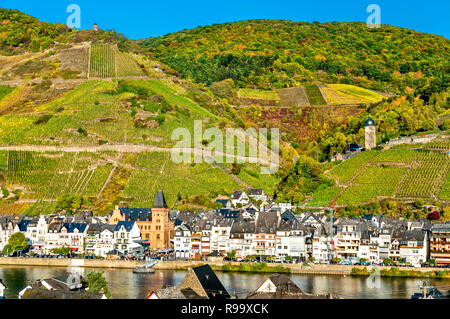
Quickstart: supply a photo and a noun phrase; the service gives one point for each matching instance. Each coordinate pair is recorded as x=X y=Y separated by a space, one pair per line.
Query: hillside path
x=125 y=148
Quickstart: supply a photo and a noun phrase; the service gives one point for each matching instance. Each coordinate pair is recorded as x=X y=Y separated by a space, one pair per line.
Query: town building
x=265 y=233
x=440 y=244
x=413 y=247
x=182 y=241
x=257 y=194
x=242 y=235
x=100 y=239
x=154 y=224
x=126 y=233
x=239 y=198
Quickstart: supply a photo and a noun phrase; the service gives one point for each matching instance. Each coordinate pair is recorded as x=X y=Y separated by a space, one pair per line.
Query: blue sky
x=144 y=18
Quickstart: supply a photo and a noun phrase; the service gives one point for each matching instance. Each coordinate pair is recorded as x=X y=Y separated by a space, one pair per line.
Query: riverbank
x=402 y=272
x=65 y=262
x=220 y=265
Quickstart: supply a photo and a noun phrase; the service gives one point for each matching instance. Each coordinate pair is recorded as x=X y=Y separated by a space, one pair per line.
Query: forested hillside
x=268 y=53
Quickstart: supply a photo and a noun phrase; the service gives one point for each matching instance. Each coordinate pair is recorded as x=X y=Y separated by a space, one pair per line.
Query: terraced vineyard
x=345 y=171
x=103 y=61
x=425 y=176
x=355 y=194
x=399 y=172
x=324 y=196
x=295 y=96
x=314 y=95
x=107 y=62
x=380 y=174
x=49 y=175
x=445 y=191
x=126 y=66
x=338 y=94
x=156 y=170
x=439 y=144
x=397 y=155
x=258 y=94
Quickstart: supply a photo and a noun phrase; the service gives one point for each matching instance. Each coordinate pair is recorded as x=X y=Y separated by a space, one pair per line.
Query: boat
x=146 y=268
x=428 y=292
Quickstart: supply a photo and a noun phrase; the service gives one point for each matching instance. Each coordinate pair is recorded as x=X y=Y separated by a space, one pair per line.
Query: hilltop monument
x=370 y=134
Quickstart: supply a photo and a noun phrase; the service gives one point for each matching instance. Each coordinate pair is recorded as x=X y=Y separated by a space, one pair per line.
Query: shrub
x=43 y=119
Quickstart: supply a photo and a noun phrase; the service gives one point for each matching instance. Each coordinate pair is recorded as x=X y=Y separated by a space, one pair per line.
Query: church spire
x=160 y=201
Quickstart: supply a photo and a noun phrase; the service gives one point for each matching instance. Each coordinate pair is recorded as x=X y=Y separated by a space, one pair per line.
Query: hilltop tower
x=95 y=27
x=370 y=134
x=162 y=226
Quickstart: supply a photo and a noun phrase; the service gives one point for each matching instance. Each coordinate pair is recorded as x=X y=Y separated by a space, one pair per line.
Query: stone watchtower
x=370 y=134
x=95 y=27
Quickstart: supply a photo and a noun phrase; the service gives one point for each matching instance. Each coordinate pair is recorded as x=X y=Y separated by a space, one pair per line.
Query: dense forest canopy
x=269 y=53
x=20 y=33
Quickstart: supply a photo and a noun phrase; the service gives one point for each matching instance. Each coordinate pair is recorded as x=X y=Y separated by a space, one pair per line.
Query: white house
x=347 y=239
x=257 y=194
x=413 y=246
x=37 y=234
x=76 y=233
x=384 y=243
x=6 y=230
x=239 y=197
x=125 y=235
x=52 y=239
x=100 y=239
x=322 y=247
x=220 y=235
x=290 y=240
x=182 y=241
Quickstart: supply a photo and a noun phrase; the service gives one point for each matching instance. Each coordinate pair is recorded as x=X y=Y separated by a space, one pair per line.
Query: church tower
x=162 y=226
x=370 y=134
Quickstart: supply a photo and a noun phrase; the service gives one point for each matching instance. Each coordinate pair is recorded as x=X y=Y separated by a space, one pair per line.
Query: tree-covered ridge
x=20 y=33
x=266 y=53
x=18 y=29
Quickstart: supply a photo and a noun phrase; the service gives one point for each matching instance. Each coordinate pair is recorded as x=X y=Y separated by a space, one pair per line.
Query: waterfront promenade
x=314 y=269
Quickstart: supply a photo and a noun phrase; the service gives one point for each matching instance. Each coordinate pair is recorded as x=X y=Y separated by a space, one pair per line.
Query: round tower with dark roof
x=370 y=136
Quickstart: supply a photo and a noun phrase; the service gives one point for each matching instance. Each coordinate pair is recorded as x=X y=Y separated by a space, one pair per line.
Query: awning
x=141 y=241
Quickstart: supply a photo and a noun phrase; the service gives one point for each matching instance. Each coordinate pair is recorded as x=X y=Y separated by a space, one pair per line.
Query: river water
x=124 y=284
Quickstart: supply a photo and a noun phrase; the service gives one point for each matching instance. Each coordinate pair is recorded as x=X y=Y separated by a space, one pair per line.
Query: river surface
x=124 y=284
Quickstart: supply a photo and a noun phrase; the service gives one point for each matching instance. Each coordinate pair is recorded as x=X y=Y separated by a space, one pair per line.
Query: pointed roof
x=160 y=201
x=369 y=122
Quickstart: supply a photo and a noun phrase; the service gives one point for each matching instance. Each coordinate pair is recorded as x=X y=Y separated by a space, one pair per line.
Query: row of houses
x=121 y=231
x=273 y=233
x=277 y=232
x=48 y=232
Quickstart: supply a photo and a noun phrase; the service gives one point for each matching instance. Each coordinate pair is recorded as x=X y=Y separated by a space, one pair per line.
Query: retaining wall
x=183 y=265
